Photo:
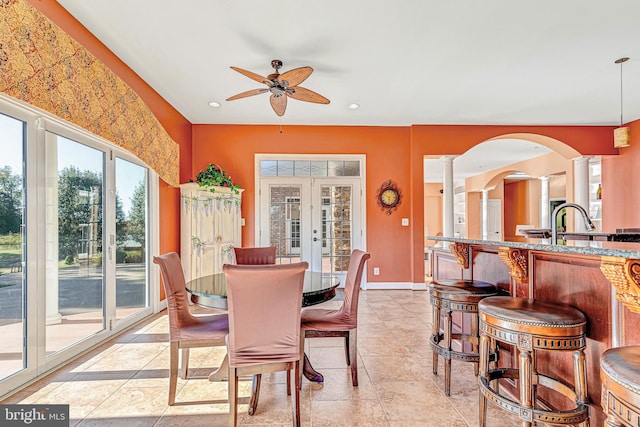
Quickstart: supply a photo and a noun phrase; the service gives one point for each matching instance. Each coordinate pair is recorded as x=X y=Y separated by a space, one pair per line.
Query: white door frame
x=315 y=157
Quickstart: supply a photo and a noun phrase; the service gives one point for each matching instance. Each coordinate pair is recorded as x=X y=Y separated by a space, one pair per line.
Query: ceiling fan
x=282 y=86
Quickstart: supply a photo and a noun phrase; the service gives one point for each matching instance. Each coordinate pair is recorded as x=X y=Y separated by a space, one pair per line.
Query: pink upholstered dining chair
x=343 y=322
x=255 y=256
x=186 y=330
x=264 y=303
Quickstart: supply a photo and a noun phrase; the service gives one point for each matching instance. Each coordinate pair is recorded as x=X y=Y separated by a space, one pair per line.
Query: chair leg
x=353 y=350
x=447 y=360
x=184 y=363
x=580 y=380
x=474 y=332
x=526 y=385
x=483 y=370
x=173 y=371
x=347 y=349
x=434 y=337
x=302 y=355
x=233 y=397
x=255 y=394
x=295 y=404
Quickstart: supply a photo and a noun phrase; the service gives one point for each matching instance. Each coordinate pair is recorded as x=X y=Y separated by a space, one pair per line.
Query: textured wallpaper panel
x=43 y=66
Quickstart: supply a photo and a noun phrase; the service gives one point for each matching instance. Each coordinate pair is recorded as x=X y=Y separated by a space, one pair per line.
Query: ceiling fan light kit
x=281 y=87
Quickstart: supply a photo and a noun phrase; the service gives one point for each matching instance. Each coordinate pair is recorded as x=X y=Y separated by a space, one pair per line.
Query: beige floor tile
x=352 y=413
x=416 y=400
x=131 y=402
x=337 y=386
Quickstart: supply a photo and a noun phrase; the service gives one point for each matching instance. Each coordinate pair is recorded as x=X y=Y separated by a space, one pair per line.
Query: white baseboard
x=396 y=285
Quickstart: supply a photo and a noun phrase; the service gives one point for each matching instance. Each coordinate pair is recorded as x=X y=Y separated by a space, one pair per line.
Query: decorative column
x=447 y=196
x=580 y=189
x=485 y=214
x=544 y=202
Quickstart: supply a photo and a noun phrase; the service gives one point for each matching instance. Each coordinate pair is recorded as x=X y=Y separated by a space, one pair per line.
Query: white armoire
x=210 y=226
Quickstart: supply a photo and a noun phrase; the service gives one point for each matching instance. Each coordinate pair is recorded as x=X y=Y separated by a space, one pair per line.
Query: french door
x=317 y=220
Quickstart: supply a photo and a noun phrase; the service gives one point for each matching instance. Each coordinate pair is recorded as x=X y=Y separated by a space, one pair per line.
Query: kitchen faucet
x=554 y=220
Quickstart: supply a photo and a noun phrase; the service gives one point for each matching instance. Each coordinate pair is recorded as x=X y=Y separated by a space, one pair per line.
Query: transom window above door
x=319 y=168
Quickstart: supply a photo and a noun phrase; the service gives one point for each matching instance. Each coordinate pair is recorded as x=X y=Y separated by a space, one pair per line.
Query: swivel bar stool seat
x=620 y=374
x=462 y=296
x=532 y=326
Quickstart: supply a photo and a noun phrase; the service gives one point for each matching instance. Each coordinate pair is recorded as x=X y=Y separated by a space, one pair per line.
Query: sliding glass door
x=75 y=223
x=131 y=238
x=75 y=273
x=12 y=256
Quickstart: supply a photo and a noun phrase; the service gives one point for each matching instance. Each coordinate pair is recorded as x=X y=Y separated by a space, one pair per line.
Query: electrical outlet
x=376 y=271
x=405 y=222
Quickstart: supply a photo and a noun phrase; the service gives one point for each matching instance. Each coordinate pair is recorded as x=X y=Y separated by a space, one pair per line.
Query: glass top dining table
x=211 y=291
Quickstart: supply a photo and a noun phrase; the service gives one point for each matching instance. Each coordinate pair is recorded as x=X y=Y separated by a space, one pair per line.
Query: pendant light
x=621 y=134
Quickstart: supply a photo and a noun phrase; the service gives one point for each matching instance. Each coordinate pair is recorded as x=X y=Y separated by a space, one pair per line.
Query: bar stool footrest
x=566 y=417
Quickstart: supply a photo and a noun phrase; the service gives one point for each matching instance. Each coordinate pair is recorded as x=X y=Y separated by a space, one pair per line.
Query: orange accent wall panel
x=387 y=151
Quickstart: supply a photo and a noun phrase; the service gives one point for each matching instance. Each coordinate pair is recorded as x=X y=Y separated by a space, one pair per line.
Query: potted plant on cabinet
x=213 y=176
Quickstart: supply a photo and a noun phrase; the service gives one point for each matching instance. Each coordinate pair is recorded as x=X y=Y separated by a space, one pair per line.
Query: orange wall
x=516 y=207
x=387 y=150
x=620 y=184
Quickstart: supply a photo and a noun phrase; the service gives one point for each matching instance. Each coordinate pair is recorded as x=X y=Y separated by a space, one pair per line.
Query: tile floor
x=125 y=381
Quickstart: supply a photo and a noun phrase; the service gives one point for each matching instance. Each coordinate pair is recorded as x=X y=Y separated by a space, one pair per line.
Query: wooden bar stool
x=530 y=326
x=620 y=373
x=462 y=296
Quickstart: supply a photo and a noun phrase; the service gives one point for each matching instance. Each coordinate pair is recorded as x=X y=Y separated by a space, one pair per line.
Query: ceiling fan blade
x=251 y=75
x=296 y=76
x=307 y=95
x=248 y=93
x=279 y=104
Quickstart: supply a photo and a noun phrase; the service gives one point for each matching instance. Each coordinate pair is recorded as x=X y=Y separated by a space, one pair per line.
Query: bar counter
x=602 y=279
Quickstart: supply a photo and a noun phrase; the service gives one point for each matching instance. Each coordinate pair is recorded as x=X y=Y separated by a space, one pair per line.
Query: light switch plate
x=405 y=222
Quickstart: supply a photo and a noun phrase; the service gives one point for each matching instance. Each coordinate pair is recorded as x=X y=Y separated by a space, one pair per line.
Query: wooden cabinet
x=210 y=226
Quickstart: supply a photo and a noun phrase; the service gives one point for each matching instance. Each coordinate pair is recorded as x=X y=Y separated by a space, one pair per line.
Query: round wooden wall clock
x=389 y=197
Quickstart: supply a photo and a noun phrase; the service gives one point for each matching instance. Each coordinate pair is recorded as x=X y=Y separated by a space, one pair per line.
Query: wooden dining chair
x=264 y=304
x=255 y=256
x=343 y=322
x=185 y=330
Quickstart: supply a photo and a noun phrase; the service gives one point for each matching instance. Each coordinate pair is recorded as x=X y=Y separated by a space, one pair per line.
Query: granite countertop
x=583 y=247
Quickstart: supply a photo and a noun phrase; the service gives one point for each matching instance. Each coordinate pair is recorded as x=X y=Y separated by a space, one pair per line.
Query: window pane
x=75 y=286
x=12 y=238
x=285 y=222
x=131 y=238
x=336 y=227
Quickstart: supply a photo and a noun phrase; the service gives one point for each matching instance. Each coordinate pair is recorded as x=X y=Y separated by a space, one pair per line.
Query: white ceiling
x=545 y=62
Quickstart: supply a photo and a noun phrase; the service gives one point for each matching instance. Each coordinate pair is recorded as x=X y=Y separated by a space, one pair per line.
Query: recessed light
x=214 y=104
x=353 y=106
